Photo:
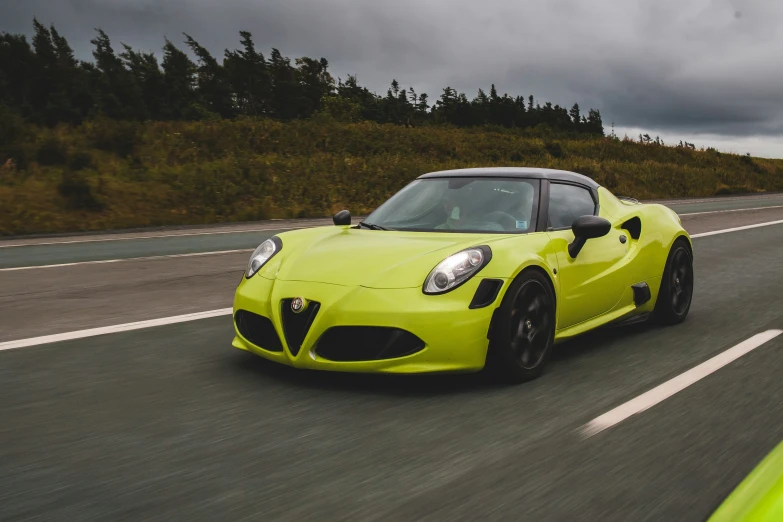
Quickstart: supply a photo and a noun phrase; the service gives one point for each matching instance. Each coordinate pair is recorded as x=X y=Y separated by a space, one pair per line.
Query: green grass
x=106 y=174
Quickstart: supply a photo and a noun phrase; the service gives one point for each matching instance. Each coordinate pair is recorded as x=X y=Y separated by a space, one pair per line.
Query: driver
x=463 y=216
x=455 y=215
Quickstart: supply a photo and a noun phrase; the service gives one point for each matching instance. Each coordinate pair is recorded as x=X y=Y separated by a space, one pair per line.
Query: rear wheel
x=524 y=332
x=676 y=293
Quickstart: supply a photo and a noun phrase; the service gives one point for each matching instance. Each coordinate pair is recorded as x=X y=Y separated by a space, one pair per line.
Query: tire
x=676 y=292
x=524 y=329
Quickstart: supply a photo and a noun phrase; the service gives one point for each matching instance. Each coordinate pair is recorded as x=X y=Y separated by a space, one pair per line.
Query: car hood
x=370 y=258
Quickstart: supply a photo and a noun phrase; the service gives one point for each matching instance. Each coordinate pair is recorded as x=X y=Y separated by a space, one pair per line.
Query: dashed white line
x=731 y=210
x=736 y=229
x=185 y=234
x=219 y=252
x=126 y=327
x=148 y=258
x=715 y=200
x=210 y=313
x=667 y=389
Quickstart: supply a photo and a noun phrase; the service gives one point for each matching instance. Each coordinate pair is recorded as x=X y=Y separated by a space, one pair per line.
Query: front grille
x=258 y=330
x=366 y=343
x=295 y=326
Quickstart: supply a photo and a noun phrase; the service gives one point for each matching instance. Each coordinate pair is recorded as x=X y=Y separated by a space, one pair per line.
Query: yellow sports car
x=463 y=269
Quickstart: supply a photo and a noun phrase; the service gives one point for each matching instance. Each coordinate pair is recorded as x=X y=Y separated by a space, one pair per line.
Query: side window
x=568 y=202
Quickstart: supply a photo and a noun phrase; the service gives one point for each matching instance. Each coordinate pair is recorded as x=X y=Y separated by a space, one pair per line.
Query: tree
x=286 y=96
x=594 y=123
x=43 y=82
x=314 y=81
x=146 y=72
x=213 y=85
x=575 y=116
x=179 y=84
x=116 y=93
x=58 y=88
x=249 y=77
x=17 y=74
x=422 y=105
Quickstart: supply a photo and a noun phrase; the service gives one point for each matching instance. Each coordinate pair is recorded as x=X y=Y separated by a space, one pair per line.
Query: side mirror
x=587 y=227
x=342 y=218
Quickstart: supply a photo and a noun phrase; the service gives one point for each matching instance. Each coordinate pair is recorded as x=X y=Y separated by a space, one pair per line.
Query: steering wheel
x=507 y=221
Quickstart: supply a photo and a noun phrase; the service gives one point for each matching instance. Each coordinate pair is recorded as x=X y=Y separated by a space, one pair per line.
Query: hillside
x=105 y=174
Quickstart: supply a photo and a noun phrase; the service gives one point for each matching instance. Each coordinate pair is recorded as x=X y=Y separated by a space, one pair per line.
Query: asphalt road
x=171 y=423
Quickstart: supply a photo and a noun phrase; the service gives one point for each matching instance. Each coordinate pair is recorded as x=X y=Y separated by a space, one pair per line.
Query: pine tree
x=286 y=101
x=148 y=76
x=575 y=116
x=213 y=86
x=249 y=77
x=596 y=125
x=422 y=105
x=114 y=88
x=179 y=84
x=58 y=87
x=44 y=83
x=315 y=82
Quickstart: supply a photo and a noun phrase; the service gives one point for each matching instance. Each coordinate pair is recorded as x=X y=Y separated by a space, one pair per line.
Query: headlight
x=262 y=254
x=456 y=269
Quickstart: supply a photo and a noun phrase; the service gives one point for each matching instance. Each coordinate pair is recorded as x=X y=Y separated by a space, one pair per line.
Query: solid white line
x=80 y=334
x=100 y=240
x=732 y=210
x=148 y=258
x=735 y=229
x=679 y=383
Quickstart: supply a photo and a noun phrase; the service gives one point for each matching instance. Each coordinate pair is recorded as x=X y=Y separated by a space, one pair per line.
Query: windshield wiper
x=371 y=226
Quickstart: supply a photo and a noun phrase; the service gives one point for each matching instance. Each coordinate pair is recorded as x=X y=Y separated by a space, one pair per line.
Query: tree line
x=43 y=81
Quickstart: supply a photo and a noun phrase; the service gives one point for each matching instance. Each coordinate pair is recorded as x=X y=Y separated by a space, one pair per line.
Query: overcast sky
x=706 y=71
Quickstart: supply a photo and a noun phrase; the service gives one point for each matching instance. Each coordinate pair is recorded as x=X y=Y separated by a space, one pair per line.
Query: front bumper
x=454 y=336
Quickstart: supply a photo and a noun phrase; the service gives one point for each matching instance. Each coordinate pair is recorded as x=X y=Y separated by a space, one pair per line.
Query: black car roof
x=514 y=172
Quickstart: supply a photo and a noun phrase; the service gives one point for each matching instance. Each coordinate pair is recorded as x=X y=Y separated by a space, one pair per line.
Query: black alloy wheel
x=530 y=324
x=524 y=334
x=676 y=292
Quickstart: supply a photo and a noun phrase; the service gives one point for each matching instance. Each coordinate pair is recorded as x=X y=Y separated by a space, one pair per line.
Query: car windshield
x=461 y=205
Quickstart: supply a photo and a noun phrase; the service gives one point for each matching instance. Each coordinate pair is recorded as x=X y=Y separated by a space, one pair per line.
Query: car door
x=592 y=283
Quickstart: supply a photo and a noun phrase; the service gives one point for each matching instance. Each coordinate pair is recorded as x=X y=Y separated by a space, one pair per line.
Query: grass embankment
x=106 y=174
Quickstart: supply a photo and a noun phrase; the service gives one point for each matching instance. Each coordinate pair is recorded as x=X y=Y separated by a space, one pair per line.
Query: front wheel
x=676 y=293
x=524 y=332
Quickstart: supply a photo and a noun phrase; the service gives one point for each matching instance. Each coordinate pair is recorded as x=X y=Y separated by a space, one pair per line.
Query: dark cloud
x=675 y=66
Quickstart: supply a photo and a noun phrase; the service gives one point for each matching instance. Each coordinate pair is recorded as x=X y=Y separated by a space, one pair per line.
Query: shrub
x=166 y=173
x=554 y=149
x=118 y=137
x=77 y=192
x=80 y=160
x=51 y=152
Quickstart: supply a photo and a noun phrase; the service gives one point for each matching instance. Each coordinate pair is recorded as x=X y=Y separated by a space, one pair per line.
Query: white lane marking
x=100 y=240
x=732 y=210
x=735 y=229
x=148 y=258
x=218 y=252
x=668 y=202
x=80 y=334
x=677 y=384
